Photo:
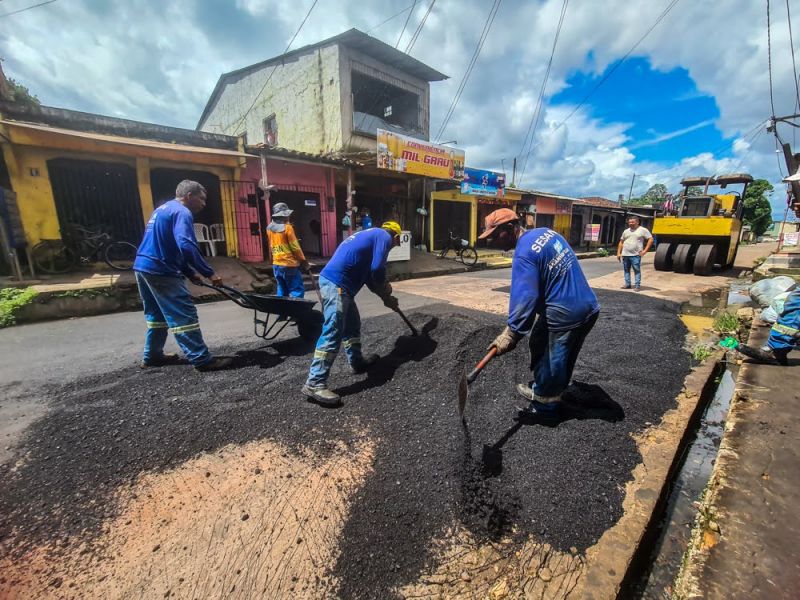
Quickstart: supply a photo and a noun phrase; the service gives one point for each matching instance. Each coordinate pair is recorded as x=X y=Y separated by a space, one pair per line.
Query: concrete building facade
x=325 y=98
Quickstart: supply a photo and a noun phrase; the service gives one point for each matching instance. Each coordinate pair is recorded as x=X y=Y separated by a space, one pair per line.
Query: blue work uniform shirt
x=169 y=246
x=547 y=280
x=360 y=260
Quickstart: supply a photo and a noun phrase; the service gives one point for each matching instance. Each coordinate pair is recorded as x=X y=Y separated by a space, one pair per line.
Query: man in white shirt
x=634 y=243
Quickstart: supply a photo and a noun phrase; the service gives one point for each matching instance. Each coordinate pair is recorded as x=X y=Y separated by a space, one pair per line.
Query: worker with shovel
x=548 y=287
x=360 y=260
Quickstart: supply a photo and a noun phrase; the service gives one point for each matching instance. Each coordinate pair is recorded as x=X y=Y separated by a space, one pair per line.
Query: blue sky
x=684 y=103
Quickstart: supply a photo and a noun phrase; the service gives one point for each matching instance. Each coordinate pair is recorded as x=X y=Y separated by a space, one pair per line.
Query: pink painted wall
x=303 y=177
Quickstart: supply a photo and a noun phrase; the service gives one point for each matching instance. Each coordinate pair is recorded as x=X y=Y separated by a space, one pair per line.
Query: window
x=380 y=105
x=271 y=131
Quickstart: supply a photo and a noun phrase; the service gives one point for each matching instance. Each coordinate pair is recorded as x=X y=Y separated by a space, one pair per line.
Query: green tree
x=655 y=195
x=757 y=209
x=694 y=190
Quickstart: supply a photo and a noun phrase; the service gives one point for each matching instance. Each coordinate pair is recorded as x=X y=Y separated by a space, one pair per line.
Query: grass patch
x=602 y=252
x=726 y=322
x=701 y=352
x=11 y=300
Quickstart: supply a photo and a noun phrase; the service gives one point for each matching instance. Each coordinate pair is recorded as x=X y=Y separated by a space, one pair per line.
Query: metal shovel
x=463 y=384
x=413 y=329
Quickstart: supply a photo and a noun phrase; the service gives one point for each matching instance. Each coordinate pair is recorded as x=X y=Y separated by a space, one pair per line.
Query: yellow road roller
x=701 y=231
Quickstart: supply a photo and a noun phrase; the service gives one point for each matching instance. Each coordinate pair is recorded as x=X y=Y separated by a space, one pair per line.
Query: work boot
x=217 y=363
x=364 y=365
x=524 y=390
x=765 y=355
x=625 y=287
x=321 y=395
x=165 y=360
x=637 y=289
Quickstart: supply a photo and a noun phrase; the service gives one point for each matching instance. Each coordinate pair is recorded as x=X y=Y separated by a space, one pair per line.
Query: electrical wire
x=540 y=101
x=21 y=10
x=794 y=68
x=382 y=23
x=611 y=71
x=419 y=28
x=263 y=87
x=408 y=18
x=481 y=40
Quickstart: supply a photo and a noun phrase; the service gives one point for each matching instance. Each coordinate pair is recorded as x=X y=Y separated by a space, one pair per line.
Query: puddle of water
x=697 y=324
x=688 y=486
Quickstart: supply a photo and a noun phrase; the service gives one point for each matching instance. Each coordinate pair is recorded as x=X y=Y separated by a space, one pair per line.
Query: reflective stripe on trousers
x=342 y=325
x=168 y=306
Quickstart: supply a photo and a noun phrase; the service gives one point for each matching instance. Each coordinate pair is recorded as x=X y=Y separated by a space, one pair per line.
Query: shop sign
x=479 y=182
x=563 y=207
x=591 y=233
x=409 y=155
x=791 y=239
x=403 y=251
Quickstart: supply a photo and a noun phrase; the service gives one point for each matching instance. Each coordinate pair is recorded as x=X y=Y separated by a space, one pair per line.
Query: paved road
x=60 y=351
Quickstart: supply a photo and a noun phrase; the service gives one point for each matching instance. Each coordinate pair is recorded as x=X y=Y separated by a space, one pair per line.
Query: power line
x=791 y=45
x=481 y=40
x=611 y=71
x=382 y=23
x=16 y=12
x=408 y=18
x=419 y=28
x=540 y=101
x=263 y=87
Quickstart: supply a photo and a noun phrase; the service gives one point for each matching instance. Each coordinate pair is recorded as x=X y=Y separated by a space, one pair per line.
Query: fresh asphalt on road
x=64 y=350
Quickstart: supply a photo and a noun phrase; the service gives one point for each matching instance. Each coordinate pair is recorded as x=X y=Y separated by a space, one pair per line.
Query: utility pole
x=630 y=191
x=514 y=174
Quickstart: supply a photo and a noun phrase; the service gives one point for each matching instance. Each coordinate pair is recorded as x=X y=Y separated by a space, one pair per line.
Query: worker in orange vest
x=288 y=259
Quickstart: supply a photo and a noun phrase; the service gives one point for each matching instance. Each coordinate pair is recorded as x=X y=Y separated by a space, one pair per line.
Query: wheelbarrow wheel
x=310 y=327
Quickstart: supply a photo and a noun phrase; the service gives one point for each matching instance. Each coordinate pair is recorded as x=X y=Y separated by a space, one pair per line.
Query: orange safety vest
x=285 y=248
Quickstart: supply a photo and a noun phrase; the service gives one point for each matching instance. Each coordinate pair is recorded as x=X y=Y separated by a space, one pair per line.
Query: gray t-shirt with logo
x=633 y=241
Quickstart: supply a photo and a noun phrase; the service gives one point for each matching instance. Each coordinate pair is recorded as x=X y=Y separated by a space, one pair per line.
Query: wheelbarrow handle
x=479 y=367
x=232 y=293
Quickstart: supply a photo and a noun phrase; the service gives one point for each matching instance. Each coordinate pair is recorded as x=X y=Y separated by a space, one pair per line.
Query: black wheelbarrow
x=272 y=314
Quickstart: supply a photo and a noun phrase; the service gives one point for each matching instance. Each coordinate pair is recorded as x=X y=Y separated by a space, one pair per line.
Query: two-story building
x=329 y=99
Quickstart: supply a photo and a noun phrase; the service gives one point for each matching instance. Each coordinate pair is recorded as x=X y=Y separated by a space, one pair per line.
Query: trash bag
x=775 y=308
x=765 y=290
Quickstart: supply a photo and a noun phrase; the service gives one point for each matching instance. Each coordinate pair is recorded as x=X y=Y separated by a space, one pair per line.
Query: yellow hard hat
x=392 y=227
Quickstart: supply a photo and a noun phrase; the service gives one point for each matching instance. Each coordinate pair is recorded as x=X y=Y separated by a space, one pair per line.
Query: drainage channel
x=672 y=532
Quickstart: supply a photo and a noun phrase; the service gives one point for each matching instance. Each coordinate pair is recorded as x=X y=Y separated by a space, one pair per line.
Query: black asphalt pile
x=561 y=480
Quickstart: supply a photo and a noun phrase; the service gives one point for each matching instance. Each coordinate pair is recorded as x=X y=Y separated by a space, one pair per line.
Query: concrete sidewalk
x=746 y=539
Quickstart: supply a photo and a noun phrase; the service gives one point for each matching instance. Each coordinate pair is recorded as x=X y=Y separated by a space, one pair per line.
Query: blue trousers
x=785 y=333
x=168 y=306
x=553 y=356
x=342 y=325
x=634 y=262
x=290 y=281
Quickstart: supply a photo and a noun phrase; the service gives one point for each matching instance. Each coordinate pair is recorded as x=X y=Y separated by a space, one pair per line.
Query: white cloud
x=157 y=60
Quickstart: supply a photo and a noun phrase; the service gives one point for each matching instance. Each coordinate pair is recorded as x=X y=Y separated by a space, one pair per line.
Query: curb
x=618 y=556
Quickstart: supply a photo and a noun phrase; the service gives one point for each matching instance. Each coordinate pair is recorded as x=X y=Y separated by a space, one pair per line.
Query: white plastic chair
x=217 y=235
x=203 y=236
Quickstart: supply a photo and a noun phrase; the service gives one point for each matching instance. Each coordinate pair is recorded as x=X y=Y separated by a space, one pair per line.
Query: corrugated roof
x=353 y=38
x=128 y=141
x=278 y=152
x=598 y=201
x=545 y=194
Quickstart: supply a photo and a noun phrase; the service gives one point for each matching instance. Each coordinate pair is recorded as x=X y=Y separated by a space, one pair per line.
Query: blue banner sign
x=478 y=182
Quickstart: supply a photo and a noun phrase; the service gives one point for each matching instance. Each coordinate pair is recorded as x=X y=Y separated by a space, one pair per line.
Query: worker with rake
x=359 y=260
x=551 y=300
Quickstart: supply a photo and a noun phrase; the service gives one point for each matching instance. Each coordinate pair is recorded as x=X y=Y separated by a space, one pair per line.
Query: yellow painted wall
x=562 y=224
x=35 y=194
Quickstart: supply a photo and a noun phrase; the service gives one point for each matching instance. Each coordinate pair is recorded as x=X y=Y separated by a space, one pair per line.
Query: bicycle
x=80 y=247
x=464 y=252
